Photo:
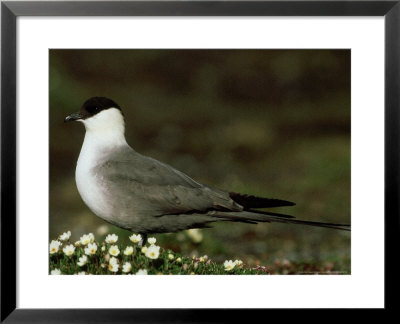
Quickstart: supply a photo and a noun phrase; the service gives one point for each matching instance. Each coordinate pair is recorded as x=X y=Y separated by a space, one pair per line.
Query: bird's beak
x=73 y=117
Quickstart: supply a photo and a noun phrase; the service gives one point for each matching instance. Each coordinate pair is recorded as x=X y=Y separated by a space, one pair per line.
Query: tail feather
x=263 y=212
x=345 y=227
x=252 y=216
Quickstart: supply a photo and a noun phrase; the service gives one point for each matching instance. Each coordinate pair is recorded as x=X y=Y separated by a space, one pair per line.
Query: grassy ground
x=269 y=123
x=108 y=257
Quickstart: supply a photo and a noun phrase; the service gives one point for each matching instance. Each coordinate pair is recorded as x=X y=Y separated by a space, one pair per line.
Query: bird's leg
x=144 y=239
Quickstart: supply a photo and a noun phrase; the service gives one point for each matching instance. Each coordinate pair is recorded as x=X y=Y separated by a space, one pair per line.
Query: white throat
x=105 y=132
x=106 y=129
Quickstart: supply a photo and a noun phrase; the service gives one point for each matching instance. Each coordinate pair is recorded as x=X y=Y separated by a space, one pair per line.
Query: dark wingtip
x=249 y=201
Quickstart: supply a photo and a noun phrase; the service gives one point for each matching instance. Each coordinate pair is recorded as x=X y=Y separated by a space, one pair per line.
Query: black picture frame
x=10 y=10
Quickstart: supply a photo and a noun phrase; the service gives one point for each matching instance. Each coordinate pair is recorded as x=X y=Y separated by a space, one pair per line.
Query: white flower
x=82 y=273
x=127 y=267
x=128 y=250
x=195 y=235
x=86 y=239
x=153 y=251
x=204 y=258
x=179 y=260
x=103 y=248
x=55 y=272
x=65 y=236
x=113 y=265
x=77 y=243
x=113 y=250
x=135 y=238
x=170 y=256
x=144 y=249
x=141 y=272
x=113 y=260
x=111 y=238
x=82 y=261
x=229 y=265
x=91 y=249
x=238 y=263
x=69 y=250
x=55 y=246
x=91 y=236
x=151 y=240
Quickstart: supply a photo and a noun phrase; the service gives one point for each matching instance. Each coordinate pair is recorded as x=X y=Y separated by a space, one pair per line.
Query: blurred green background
x=274 y=123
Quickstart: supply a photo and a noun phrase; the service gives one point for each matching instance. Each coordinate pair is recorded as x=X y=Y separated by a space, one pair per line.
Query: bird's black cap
x=92 y=107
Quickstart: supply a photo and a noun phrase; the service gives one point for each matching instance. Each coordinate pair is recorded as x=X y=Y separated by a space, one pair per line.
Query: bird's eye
x=92 y=109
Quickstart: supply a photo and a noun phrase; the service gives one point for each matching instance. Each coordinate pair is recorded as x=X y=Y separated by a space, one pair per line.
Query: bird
x=143 y=195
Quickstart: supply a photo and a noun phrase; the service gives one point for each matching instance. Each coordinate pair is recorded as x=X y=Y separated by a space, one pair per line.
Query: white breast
x=88 y=183
x=104 y=132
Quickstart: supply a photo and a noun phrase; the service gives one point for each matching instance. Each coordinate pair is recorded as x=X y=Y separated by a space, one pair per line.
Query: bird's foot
x=144 y=240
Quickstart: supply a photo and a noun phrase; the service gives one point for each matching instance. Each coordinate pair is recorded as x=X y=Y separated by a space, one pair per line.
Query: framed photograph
x=235 y=148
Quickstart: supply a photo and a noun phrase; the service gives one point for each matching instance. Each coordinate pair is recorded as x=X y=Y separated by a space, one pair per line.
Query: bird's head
x=99 y=114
